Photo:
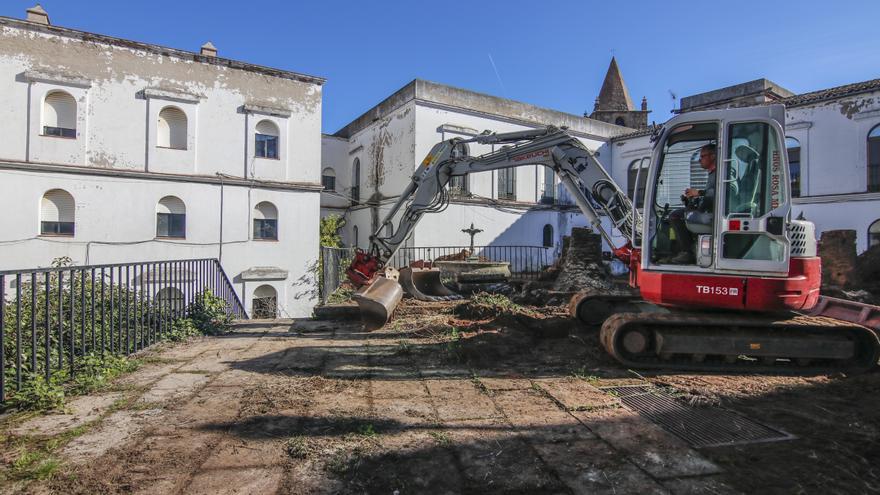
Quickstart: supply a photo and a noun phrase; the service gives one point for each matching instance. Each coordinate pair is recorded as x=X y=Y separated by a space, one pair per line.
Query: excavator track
x=737 y=343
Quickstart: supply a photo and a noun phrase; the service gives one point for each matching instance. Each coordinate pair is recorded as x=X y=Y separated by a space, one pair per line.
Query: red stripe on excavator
x=798 y=291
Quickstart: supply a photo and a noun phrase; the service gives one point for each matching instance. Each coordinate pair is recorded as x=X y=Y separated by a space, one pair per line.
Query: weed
x=583 y=375
x=34 y=465
x=297 y=447
x=441 y=437
x=367 y=431
x=39 y=394
x=340 y=295
x=500 y=303
x=95 y=372
x=453 y=346
x=480 y=385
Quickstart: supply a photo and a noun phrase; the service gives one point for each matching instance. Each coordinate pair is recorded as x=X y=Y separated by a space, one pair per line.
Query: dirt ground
x=439 y=403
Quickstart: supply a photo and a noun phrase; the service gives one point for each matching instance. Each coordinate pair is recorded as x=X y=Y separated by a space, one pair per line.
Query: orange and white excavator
x=722 y=278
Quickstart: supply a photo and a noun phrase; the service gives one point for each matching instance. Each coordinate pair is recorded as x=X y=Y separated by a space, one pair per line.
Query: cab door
x=753 y=197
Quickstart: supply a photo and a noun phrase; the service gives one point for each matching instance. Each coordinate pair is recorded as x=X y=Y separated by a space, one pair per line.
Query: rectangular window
x=171 y=225
x=507 y=184
x=458 y=186
x=267 y=146
x=874 y=164
x=328 y=182
x=266 y=229
x=59 y=132
x=756 y=185
x=56 y=228
x=794 y=170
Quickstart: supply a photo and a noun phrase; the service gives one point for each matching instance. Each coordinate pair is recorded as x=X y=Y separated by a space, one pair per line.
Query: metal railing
x=51 y=318
x=526 y=262
x=334 y=261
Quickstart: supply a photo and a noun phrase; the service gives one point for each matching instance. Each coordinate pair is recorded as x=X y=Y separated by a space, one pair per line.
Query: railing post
x=72 y=326
x=18 y=332
x=103 y=321
x=60 y=320
x=34 y=323
x=2 y=338
x=127 y=310
x=48 y=341
x=93 y=308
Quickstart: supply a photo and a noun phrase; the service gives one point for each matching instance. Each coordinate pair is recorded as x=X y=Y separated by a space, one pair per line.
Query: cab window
x=756 y=179
x=755 y=185
x=679 y=170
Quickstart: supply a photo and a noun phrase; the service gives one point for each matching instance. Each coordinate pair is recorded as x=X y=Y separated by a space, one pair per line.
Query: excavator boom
x=588 y=183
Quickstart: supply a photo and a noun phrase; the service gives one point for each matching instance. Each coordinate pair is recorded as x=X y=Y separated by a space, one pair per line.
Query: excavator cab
x=737 y=223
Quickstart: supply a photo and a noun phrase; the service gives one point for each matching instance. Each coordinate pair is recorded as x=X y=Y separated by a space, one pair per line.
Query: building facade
x=120 y=151
x=374 y=157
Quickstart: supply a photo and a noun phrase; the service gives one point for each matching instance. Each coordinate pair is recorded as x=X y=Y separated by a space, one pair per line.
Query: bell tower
x=614 y=104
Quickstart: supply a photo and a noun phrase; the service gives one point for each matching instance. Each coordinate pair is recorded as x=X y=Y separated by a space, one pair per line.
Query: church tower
x=614 y=104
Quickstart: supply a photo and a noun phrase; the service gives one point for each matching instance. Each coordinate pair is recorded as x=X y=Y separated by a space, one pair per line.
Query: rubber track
x=867 y=341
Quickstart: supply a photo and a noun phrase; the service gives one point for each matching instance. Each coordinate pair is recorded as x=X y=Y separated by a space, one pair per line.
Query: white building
x=374 y=157
x=120 y=151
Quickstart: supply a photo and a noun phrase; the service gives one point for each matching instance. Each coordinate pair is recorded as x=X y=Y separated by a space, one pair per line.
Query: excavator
x=744 y=296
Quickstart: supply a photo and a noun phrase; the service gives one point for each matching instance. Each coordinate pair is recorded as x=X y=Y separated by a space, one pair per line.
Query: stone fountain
x=474 y=273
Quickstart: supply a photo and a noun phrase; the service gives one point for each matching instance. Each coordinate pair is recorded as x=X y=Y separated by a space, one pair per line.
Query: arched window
x=170 y=300
x=874 y=233
x=637 y=194
x=328 y=179
x=171 y=218
x=356 y=181
x=548 y=235
x=620 y=121
x=793 y=146
x=266 y=140
x=266 y=221
x=265 y=303
x=59 y=115
x=874 y=159
x=57 y=212
x=355 y=232
x=171 y=129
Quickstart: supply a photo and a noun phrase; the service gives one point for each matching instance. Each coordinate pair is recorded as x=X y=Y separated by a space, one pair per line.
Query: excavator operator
x=699 y=205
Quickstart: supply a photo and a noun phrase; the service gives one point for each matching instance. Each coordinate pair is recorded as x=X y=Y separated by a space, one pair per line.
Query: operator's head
x=707 y=157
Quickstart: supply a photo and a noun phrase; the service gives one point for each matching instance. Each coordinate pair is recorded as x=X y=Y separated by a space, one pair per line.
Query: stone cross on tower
x=472 y=232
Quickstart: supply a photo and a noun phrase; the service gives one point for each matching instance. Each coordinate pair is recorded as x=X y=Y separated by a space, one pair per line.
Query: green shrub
x=95 y=371
x=208 y=314
x=39 y=394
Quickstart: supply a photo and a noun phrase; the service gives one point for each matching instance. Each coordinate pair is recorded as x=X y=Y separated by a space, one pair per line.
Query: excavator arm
x=590 y=185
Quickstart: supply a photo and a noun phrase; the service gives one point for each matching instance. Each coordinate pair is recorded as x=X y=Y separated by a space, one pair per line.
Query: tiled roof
x=639 y=133
x=831 y=93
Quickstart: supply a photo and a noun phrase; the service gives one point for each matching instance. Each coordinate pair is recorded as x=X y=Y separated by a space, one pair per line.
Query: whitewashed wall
x=120 y=89
x=116 y=223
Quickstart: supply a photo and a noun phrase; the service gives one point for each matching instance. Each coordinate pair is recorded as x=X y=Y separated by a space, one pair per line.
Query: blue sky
x=548 y=53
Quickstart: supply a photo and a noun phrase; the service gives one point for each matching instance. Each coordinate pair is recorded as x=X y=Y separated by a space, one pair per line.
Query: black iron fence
x=50 y=318
x=334 y=262
x=526 y=262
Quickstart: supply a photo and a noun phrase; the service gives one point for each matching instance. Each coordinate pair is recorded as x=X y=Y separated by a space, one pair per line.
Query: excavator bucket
x=377 y=302
x=424 y=284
